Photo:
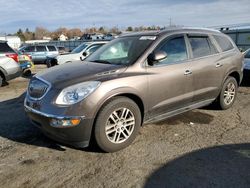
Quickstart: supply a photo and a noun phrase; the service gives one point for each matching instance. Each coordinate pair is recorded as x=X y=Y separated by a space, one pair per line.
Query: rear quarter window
x=224 y=43
x=51 y=48
x=4 y=48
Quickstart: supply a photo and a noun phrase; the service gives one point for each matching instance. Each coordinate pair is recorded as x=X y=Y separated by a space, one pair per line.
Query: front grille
x=37 y=88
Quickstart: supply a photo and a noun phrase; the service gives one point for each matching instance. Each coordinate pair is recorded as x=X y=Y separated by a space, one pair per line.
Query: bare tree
x=75 y=32
x=41 y=32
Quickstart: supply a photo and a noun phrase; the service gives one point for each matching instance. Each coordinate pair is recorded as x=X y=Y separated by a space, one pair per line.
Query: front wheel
x=228 y=93
x=117 y=124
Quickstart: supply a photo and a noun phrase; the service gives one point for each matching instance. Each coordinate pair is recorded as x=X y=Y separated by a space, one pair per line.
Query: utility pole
x=170 y=22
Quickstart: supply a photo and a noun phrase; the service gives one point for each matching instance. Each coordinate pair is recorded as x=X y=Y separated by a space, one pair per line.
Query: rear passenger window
x=176 y=50
x=201 y=46
x=41 y=49
x=224 y=43
x=51 y=48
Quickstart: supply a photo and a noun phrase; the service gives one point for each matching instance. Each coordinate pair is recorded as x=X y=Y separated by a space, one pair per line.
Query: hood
x=61 y=59
x=72 y=73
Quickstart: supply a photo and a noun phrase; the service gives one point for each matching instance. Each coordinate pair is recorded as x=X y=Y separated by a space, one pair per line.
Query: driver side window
x=176 y=50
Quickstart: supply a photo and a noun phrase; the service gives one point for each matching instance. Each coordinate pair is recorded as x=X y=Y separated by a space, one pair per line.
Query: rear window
x=201 y=46
x=4 y=48
x=51 y=48
x=41 y=49
x=224 y=43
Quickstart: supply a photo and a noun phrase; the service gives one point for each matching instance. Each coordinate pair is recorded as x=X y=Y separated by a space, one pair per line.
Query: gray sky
x=52 y=14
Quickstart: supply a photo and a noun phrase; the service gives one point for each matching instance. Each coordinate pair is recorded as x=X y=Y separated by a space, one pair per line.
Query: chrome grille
x=37 y=88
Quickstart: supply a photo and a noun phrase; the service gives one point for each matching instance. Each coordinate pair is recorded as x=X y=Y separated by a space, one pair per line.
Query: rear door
x=41 y=53
x=206 y=67
x=170 y=81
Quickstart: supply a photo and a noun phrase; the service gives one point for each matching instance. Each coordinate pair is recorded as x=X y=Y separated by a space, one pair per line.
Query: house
x=47 y=38
x=63 y=37
x=13 y=41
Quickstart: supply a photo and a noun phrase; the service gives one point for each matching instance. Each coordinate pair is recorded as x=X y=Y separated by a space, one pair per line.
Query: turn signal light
x=65 y=122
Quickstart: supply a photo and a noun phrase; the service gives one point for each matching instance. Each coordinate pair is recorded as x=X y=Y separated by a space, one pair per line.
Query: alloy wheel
x=120 y=125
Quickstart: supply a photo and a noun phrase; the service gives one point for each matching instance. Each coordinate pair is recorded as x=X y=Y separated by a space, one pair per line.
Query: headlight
x=76 y=93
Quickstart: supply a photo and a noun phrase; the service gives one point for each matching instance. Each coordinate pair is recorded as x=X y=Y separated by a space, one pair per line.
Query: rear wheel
x=1 y=80
x=117 y=124
x=228 y=93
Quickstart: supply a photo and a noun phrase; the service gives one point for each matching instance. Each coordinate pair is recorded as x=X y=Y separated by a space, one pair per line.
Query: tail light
x=13 y=56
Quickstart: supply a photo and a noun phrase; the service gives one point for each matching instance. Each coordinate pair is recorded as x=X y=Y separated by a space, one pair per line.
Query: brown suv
x=134 y=79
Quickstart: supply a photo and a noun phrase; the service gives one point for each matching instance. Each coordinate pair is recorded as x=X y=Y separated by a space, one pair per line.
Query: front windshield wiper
x=101 y=61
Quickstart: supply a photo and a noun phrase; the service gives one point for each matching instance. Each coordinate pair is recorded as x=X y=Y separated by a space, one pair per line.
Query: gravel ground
x=200 y=148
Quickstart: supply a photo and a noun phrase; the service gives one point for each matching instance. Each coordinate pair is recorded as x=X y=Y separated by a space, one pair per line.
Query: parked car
x=80 y=52
x=26 y=64
x=247 y=60
x=110 y=36
x=39 y=53
x=92 y=36
x=62 y=50
x=134 y=79
x=9 y=67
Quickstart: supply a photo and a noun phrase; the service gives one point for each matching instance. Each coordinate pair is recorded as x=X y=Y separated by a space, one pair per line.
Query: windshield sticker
x=148 y=38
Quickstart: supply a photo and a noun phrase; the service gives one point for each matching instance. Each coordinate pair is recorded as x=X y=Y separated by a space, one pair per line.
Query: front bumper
x=77 y=136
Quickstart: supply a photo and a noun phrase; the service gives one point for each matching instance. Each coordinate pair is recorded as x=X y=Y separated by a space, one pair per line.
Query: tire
x=48 y=63
x=226 y=99
x=123 y=117
x=1 y=81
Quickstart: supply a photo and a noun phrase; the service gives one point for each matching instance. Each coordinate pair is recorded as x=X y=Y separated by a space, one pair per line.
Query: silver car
x=9 y=66
x=247 y=60
x=39 y=53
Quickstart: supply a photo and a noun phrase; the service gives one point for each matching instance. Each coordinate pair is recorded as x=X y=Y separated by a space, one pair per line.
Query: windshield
x=124 y=50
x=247 y=55
x=79 y=48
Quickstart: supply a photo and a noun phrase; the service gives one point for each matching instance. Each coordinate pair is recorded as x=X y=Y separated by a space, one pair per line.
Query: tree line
x=41 y=32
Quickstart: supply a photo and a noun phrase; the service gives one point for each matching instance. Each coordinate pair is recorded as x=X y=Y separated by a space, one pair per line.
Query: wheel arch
x=235 y=74
x=134 y=97
x=2 y=73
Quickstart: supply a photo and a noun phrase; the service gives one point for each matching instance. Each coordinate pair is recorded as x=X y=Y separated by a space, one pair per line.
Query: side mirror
x=155 y=57
x=85 y=54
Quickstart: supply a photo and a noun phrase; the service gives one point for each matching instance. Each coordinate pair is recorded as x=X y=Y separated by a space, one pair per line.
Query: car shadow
x=219 y=166
x=16 y=126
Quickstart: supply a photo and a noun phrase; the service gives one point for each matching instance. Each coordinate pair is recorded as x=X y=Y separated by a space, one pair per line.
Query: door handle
x=218 y=65
x=187 y=72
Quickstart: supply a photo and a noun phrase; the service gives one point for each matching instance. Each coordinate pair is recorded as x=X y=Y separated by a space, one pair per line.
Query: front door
x=170 y=82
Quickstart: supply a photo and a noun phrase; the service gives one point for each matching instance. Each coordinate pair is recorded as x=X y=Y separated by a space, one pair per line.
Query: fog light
x=64 y=122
